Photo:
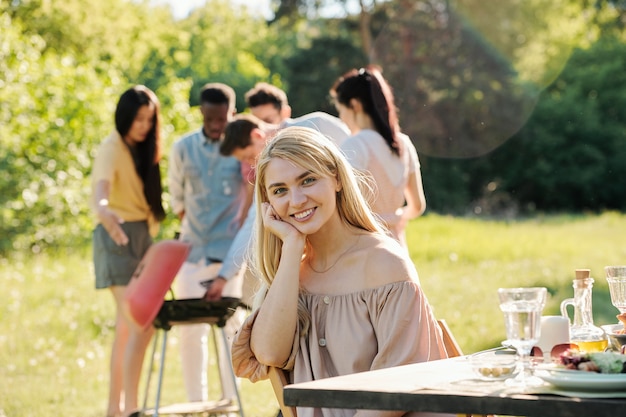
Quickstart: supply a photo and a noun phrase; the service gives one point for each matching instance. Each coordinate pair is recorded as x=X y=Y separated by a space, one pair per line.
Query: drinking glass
x=616 y=277
x=522 y=309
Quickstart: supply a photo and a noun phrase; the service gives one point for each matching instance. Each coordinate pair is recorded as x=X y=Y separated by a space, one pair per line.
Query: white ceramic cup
x=554 y=331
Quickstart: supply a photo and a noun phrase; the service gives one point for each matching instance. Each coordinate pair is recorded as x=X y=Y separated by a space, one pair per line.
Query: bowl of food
x=494 y=365
x=617 y=336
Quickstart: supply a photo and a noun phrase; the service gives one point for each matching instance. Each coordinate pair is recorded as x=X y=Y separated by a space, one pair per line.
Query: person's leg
x=117 y=357
x=193 y=338
x=130 y=341
x=225 y=366
x=233 y=288
x=133 y=363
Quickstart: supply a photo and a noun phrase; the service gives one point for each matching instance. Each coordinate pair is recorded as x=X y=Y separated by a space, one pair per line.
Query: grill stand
x=164 y=323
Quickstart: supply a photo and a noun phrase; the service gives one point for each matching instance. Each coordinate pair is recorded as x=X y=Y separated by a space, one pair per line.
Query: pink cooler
x=152 y=279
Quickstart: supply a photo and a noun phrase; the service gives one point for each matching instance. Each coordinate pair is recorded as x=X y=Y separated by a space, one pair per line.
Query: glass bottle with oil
x=583 y=332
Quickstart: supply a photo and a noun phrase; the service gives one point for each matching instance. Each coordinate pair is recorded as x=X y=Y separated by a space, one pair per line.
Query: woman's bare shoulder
x=386 y=262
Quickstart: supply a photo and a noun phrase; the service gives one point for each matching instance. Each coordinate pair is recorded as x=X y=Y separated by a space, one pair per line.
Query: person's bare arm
x=277 y=320
x=107 y=217
x=414 y=195
x=176 y=181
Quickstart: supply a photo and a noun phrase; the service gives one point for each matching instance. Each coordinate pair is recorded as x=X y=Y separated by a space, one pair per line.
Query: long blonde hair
x=316 y=153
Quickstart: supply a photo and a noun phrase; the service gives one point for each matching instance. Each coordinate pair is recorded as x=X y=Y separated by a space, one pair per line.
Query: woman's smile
x=303 y=215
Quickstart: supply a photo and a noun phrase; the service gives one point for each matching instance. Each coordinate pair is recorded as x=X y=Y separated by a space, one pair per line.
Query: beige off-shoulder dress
x=371 y=329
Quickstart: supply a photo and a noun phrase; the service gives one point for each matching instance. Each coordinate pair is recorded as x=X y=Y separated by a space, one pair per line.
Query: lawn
x=56 y=329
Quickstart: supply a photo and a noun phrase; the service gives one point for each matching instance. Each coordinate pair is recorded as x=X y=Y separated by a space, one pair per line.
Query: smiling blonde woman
x=341 y=295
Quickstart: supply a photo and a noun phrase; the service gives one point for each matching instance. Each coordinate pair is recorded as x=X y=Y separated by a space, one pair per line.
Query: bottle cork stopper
x=583 y=273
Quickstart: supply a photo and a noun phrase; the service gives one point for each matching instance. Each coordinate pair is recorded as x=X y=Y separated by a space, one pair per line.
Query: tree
x=457 y=96
x=570 y=154
x=293 y=10
x=52 y=110
x=309 y=84
x=223 y=45
x=116 y=33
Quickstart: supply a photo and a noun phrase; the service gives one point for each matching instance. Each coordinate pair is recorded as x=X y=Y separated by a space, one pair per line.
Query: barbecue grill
x=146 y=305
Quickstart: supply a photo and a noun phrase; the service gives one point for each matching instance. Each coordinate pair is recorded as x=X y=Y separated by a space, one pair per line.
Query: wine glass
x=616 y=277
x=522 y=309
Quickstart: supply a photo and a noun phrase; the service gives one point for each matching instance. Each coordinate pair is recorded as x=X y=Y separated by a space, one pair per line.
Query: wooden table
x=445 y=386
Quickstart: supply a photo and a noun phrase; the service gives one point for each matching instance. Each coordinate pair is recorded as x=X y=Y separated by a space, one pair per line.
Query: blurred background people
x=269 y=103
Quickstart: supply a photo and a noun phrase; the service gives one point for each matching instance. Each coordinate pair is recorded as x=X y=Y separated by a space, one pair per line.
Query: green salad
x=602 y=362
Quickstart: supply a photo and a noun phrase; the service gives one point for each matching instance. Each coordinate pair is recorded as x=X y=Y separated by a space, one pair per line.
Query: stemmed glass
x=616 y=277
x=522 y=309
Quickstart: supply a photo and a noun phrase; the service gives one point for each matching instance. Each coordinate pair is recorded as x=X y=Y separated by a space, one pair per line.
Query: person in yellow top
x=127 y=201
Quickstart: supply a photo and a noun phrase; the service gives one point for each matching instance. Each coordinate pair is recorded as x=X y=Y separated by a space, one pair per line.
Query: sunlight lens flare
x=467 y=74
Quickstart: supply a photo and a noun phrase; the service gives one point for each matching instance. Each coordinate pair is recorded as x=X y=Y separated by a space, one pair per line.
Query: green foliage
x=53 y=111
x=293 y=10
x=223 y=44
x=309 y=86
x=524 y=32
x=74 y=27
x=575 y=138
x=458 y=95
x=467 y=78
x=446 y=184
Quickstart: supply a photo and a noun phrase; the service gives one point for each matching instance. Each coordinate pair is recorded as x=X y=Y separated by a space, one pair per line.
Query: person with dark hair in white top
x=365 y=103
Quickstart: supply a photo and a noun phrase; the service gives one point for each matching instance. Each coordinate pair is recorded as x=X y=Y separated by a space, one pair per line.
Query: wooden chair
x=279 y=377
x=453 y=349
x=450 y=343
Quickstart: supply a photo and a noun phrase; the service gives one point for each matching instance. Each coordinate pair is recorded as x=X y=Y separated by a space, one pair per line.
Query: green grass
x=56 y=329
x=462 y=262
x=55 y=336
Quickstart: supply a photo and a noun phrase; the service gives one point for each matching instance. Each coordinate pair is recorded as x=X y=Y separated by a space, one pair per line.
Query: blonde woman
x=341 y=295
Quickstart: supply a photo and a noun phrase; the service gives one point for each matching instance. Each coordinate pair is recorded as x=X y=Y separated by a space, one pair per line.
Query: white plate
x=583 y=381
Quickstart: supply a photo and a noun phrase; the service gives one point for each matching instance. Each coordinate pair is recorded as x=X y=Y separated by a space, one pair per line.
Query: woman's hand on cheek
x=275 y=224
